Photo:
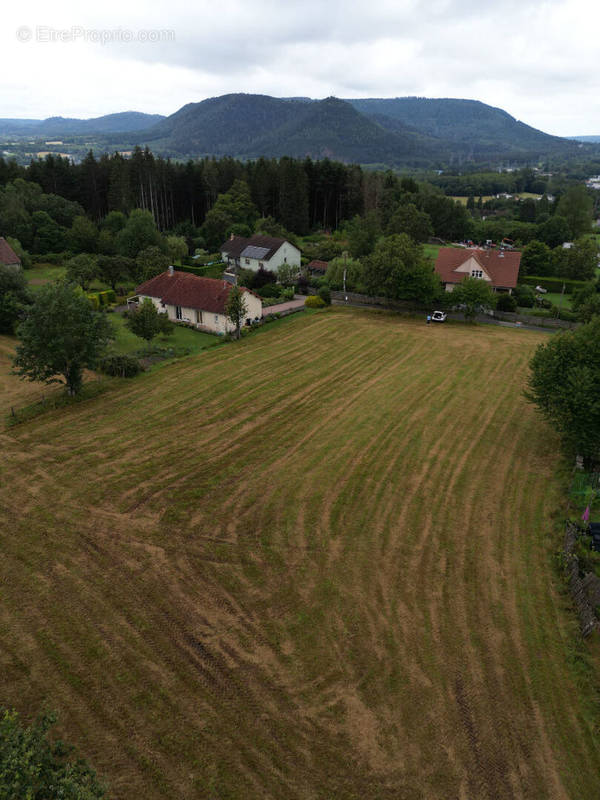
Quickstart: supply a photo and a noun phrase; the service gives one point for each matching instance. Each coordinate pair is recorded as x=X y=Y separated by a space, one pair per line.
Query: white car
x=438 y=316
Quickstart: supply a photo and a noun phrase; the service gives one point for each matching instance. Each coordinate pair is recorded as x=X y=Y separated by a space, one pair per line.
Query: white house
x=270 y=252
x=196 y=301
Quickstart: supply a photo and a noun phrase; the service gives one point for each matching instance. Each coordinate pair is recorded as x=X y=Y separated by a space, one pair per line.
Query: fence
x=409 y=306
x=366 y=301
x=585 y=590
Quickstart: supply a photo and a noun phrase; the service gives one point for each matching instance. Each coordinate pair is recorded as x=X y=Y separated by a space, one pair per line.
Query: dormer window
x=477 y=273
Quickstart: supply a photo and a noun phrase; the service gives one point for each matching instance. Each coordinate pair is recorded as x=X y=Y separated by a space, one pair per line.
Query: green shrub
x=107 y=297
x=120 y=365
x=314 y=301
x=524 y=295
x=506 y=302
x=54 y=259
x=94 y=300
x=288 y=294
x=269 y=290
x=553 y=284
x=567 y=315
x=325 y=294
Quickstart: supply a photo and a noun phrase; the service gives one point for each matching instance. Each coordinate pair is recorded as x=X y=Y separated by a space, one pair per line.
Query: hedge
x=199 y=270
x=314 y=301
x=120 y=365
x=94 y=300
x=55 y=259
x=553 y=284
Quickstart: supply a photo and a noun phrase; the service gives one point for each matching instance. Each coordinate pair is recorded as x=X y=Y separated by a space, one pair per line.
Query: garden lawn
x=42 y=274
x=560 y=300
x=128 y=342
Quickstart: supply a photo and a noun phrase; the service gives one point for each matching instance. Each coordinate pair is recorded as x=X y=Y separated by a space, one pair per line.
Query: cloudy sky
x=537 y=60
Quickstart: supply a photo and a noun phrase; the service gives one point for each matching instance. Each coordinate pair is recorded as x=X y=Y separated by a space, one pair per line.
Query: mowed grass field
x=314 y=564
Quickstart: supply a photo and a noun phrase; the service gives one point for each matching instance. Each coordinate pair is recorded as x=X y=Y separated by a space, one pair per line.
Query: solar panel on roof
x=254 y=252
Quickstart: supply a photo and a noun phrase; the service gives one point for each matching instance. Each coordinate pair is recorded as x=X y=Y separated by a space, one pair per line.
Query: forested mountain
x=253 y=125
x=332 y=128
x=397 y=132
x=123 y=122
x=483 y=128
x=407 y=131
x=227 y=125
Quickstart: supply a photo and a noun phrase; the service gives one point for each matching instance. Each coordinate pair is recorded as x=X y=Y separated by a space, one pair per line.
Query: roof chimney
x=171 y=270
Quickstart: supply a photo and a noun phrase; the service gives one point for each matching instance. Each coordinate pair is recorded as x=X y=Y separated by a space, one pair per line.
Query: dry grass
x=14 y=391
x=313 y=564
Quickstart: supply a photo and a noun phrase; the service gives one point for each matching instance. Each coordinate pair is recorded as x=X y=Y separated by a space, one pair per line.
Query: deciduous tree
x=82 y=236
x=14 y=297
x=150 y=262
x=61 y=336
x=408 y=219
x=82 y=269
x=576 y=206
x=112 y=269
x=536 y=259
x=32 y=767
x=564 y=383
x=177 y=248
x=399 y=269
x=139 y=233
x=236 y=309
x=146 y=322
x=474 y=295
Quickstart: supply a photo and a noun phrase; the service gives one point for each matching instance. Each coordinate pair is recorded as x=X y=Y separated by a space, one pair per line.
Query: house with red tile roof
x=499 y=267
x=197 y=301
x=8 y=257
x=269 y=252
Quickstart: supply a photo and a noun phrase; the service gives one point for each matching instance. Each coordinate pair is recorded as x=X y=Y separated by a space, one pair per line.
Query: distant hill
x=591 y=139
x=406 y=131
x=393 y=132
x=226 y=125
x=123 y=122
x=333 y=129
x=482 y=128
x=248 y=126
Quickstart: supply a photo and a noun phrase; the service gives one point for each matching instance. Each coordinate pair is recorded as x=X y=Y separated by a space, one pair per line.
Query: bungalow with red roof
x=499 y=267
x=8 y=257
x=269 y=252
x=196 y=301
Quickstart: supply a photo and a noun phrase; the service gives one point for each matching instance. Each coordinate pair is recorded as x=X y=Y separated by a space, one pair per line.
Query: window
x=247 y=260
x=216 y=319
x=199 y=317
x=178 y=313
x=285 y=260
x=477 y=273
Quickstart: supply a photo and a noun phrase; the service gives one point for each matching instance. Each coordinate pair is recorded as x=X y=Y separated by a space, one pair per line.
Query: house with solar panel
x=269 y=252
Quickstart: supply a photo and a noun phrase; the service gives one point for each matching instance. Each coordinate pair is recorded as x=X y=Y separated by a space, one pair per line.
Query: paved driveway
x=290 y=305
